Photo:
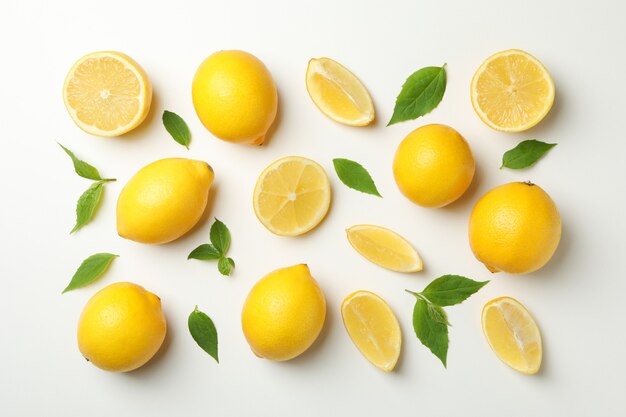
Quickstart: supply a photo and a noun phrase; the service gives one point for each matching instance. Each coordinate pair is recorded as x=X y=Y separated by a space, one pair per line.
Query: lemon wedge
x=107 y=93
x=512 y=334
x=373 y=328
x=384 y=248
x=292 y=196
x=512 y=91
x=338 y=93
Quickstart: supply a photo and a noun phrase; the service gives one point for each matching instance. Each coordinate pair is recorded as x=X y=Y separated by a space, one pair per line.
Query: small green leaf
x=225 y=266
x=90 y=270
x=449 y=290
x=430 y=328
x=87 y=205
x=353 y=175
x=220 y=237
x=177 y=127
x=203 y=332
x=525 y=154
x=420 y=94
x=84 y=169
x=206 y=252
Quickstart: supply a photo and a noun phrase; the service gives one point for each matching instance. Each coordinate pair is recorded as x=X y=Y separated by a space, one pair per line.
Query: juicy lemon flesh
x=338 y=93
x=384 y=248
x=512 y=91
x=373 y=328
x=107 y=94
x=292 y=196
x=513 y=334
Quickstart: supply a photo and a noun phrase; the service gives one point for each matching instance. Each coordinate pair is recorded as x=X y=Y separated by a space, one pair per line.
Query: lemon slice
x=107 y=93
x=512 y=334
x=292 y=196
x=338 y=93
x=384 y=248
x=512 y=91
x=373 y=328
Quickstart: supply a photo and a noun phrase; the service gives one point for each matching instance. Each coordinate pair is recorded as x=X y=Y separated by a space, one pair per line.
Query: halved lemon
x=384 y=247
x=373 y=328
x=338 y=93
x=513 y=334
x=107 y=93
x=512 y=91
x=292 y=196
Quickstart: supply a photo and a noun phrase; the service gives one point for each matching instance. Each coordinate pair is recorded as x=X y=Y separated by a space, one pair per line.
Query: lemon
x=512 y=91
x=121 y=327
x=107 y=93
x=384 y=248
x=338 y=93
x=433 y=165
x=512 y=334
x=164 y=200
x=291 y=196
x=235 y=96
x=283 y=313
x=373 y=328
x=515 y=228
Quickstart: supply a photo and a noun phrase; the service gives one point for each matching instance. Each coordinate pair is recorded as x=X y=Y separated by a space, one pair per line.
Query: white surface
x=577 y=298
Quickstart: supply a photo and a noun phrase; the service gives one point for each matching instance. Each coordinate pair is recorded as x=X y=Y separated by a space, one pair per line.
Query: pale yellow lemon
x=121 y=327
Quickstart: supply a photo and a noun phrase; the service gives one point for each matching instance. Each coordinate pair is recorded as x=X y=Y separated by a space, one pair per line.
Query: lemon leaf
x=203 y=332
x=430 y=328
x=354 y=176
x=84 y=169
x=220 y=236
x=205 y=252
x=421 y=93
x=225 y=266
x=177 y=128
x=90 y=270
x=87 y=205
x=449 y=290
x=525 y=154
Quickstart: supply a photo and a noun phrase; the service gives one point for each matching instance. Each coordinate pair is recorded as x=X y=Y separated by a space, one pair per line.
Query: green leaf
x=225 y=266
x=355 y=176
x=206 y=252
x=177 y=127
x=87 y=205
x=84 y=169
x=449 y=290
x=220 y=237
x=203 y=332
x=420 y=94
x=525 y=154
x=90 y=270
x=430 y=328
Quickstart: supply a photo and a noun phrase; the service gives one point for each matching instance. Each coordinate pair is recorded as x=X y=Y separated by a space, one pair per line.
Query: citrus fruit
x=433 y=165
x=107 y=93
x=512 y=334
x=164 y=200
x=121 y=327
x=515 y=228
x=384 y=248
x=338 y=93
x=291 y=196
x=373 y=328
x=235 y=96
x=283 y=313
x=512 y=91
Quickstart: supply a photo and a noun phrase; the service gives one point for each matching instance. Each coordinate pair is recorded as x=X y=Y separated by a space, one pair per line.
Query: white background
x=577 y=299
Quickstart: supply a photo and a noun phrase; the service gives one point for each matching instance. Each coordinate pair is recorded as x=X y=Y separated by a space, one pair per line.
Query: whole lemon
x=433 y=165
x=284 y=313
x=235 y=96
x=164 y=200
x=121 y=327
x=515 y=228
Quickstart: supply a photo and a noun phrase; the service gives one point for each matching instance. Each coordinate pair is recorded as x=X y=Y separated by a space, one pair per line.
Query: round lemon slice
x=338 y=93
x=292 y=196
x=373 y=328
x=512 y=334
x=107 y=93
x=512 y=91
x=384 y=248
